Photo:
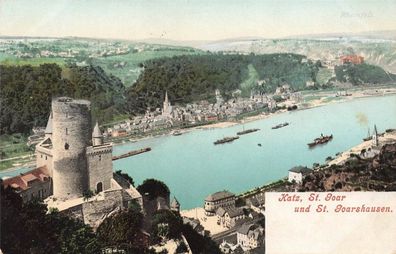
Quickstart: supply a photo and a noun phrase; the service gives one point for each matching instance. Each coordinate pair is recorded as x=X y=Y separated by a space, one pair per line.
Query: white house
x=296 y=174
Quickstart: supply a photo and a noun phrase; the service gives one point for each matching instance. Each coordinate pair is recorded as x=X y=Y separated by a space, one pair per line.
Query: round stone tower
x=71 y=134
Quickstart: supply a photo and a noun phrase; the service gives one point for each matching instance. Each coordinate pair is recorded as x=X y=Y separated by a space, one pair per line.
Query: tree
x=126 y=177
x=154 y=189
x=166 y=224
x=27 y=228
x=122 y=230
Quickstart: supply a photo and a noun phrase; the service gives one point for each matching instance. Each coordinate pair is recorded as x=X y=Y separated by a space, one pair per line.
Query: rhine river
x=193 y=167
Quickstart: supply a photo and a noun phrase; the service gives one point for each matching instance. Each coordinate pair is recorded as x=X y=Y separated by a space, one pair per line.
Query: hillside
x=376 y=51
x=26 y=93
x=117 y=57
x=192 y=78
x=362 y=74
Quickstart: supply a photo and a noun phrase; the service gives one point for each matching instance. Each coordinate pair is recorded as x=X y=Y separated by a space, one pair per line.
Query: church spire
x=375 y=136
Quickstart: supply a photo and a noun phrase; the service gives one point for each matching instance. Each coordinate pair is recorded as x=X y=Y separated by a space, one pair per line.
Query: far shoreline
x=359 y=93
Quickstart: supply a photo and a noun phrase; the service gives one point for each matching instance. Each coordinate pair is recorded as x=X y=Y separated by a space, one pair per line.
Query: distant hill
x=196 y=77
x=363 y=74
x=376 y=50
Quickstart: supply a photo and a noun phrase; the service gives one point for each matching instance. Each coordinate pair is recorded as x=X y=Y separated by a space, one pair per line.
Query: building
x=257 y=203
x=354 y=59
x=35 y=184
x=223 y=199
x=250 y=236
x=73 y=161
x=76 y=154
x=296 y=174
x=232 y=216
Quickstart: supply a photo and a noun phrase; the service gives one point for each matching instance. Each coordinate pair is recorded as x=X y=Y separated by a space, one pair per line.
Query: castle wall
x=100 y=166
x=71 y=134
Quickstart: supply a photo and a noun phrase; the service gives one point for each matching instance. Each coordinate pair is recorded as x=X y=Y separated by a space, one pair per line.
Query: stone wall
x=71 y=134
x=100 y=166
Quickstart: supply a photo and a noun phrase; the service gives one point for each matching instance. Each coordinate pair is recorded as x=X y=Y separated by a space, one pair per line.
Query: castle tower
x=48 y=129
x=375 y=136
x=175 y=205
x=71 y=134
x=97 y=136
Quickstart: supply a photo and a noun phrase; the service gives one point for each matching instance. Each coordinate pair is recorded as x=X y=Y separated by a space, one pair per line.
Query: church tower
x=166 y=108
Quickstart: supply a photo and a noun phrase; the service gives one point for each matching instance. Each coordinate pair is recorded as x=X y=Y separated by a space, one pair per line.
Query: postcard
x=186 y=126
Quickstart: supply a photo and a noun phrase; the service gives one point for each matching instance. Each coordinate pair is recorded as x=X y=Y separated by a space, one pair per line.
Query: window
x=41 y=156
x=66 y=131
x=66 y=146
x=46 y=157
x=100 y=157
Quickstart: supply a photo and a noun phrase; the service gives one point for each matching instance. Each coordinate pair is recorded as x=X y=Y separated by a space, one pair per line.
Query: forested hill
x=26 y=93
x=196 y=77
x=363 y=74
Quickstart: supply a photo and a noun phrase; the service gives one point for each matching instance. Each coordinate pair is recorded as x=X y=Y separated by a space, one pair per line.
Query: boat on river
x=225 y=140
x=247 y=131
x=321 y=140
x=281 y=125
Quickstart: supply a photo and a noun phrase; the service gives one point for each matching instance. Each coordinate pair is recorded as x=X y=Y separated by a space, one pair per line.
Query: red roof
x=22 y=181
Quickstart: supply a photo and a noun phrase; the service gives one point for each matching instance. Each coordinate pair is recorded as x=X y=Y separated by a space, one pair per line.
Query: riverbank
x=282 y=185
x=310 y=100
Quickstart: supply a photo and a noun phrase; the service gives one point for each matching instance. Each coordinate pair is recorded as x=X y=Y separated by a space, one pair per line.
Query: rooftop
x=22 y=181
x=300 y=169
x=219 y=195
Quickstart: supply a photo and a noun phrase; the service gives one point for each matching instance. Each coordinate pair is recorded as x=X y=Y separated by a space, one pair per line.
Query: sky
x=186 y=20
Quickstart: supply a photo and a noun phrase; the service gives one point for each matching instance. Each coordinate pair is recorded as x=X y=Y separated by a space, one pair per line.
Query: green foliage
x=199 y=244
x=88 y=194
x=154 y=189
x=27 y=228
x=166 y=224
x=362 y=74
x=122 y=230
x=26 y=93
x=125 y=176
x=196 y=77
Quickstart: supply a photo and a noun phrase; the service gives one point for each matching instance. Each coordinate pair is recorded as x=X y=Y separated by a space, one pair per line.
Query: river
x=193 y=167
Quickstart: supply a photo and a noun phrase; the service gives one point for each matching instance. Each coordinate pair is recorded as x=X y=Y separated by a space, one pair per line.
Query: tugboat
x=281 y=125
x=225 y=140
x=321 y=140
x=247 y=131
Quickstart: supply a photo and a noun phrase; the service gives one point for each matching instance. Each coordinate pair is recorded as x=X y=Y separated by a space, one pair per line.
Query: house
x=119 y=133
x=196 y=225
x=232 y=216
x=250 y=236
x=296 y=174
x=257 y=203
x=354 y=59
x=223 y=199
x=34 y=184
